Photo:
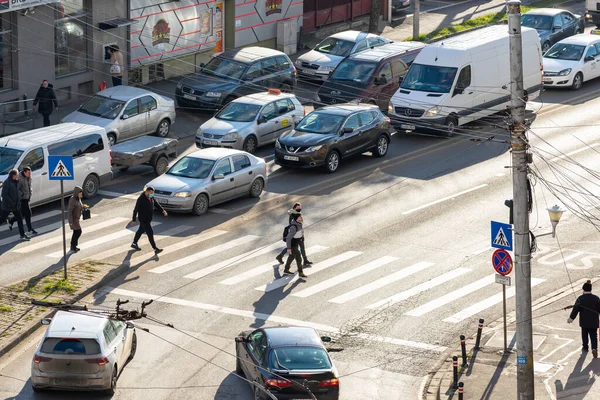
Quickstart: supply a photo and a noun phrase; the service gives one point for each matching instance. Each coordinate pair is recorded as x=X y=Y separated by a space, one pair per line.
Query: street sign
x=502 y=236
x=504 y=280
x=502 y=262
x=60 y=168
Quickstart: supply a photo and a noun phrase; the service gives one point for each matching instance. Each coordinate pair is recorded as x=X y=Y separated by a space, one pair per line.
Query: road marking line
x=45 y=215
x=444 y=199
x=203 y=254
x=219 y=211
x=264 y=268
x=346 y=276
x=58 y=239
x=415 y=290
x=330 y=262
x=379 y=283
x=482 y=250
x=131 y=196
x=574 y=152
x=450 y=297
x=266 y=318
x=487 y=303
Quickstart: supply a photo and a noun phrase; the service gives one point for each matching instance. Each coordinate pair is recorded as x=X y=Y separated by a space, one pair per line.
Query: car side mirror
x=129 y=324
x=241 y=339
x=218 y=177
x=325 y=339
x=46 y=321
x=557 y=28
x=347 y=130
x=261 y=119
x=124 y=116
x=400 y=79
x=202 y=65
x=381 y=80
x=589 y=58
x=458 y=90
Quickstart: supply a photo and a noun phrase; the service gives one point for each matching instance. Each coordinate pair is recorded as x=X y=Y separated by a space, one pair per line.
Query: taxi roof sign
x=595 y=32
x=274 y=91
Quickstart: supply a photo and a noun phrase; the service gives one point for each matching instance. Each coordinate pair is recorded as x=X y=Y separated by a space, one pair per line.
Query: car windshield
x=429 y=78
x=355 y=71
x=238 y=112
x=70 y=346
x=225 y=68
x=559 y=51
x=8 y=159
x=539 y=22
x=335 y=47
x=103 y=107
x=192 y=167
x=294 y=358
x=321 y=122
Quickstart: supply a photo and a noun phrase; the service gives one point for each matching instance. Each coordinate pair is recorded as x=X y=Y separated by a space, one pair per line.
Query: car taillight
x=99 y=361
x=110 y=155
x=388 y=120
x=330 y=382
x=295 y=72
x=39 y=359
x=280 y=383
x=304 y=109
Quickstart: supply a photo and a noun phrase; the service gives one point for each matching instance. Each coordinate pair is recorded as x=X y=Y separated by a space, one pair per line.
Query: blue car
x=552 y=24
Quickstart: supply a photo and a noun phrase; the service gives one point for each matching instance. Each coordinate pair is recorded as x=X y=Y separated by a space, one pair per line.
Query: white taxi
x=251 y=121
x=573 y=61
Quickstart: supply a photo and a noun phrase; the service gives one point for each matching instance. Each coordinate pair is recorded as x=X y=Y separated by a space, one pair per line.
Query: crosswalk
x=244 y=263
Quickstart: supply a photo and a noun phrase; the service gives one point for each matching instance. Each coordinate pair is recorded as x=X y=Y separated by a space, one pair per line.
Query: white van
x=87 y=144
x=462 y=79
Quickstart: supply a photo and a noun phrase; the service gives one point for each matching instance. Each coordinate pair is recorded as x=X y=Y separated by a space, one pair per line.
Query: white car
x=572 y=61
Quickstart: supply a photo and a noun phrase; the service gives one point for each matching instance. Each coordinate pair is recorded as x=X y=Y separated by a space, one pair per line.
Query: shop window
x=7 y=27
x=70 y=38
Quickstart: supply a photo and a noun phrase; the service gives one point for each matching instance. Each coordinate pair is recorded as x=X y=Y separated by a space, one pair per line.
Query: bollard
x=460 y=390
x=455 y=372
x=479 y=328
x=463 y=348
x=25 y=105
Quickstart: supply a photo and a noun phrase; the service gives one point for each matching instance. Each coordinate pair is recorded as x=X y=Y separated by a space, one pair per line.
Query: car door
x=558 y=32
x=35 y=160
x=113 y=348
x=462 y=96
x=268 y=124
x=223 y=184
x=352 y=140
x=131 y=122
x=371 y=131
x=252 y=80
x=242 y=174
x=569 y=24
x=590 y=63
x=256 y=348
x=149 y=106
x=121 y=341
x=270 y=71
x=384 y=86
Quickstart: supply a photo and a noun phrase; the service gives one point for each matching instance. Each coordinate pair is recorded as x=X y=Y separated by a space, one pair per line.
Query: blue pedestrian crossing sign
x=502 y=237
x=60 y=168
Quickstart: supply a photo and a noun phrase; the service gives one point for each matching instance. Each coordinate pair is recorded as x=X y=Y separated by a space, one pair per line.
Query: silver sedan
x=208 y=177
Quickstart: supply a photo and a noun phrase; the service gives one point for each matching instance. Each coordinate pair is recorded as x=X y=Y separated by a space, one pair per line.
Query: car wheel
x=250 y=144
x=113 y=383
x=112 y=139
x=36 y=389
x=91 y=185
x=545 y=47
x=257 y=188
x=286 y=88
x=451 y=124
x=133 y=347
x=161 y=165
x=163 y=128
x=577 y=81
x=200 y=204
x=382 y=146
x=332 y=162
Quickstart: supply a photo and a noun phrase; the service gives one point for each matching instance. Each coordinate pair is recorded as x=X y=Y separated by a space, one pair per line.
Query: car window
x=283 y=106
x=558 y=21
x=399 y=67
x=8 y=159
x=591 y=51
x=192 y=167
x=361 y=46
x=103 y=107
x=567 y=18
x=77 y=147
x=240 y=162
x=386 y=71
x=375 y=115
x=321 y=122
x=598 y=47
x=70 y=346
x=283 y=62
x=254 y=71
x=223 y=167
x=131 y=108
x=118 y=326
x=148 y=103
x=366 y=117
x=34 y=160
x=259 y=344
x=409 y=58
x=109 y=333
x=352 y=122
x=464 y=78
x=270 y=66
x=298 y=357
x=269 y=111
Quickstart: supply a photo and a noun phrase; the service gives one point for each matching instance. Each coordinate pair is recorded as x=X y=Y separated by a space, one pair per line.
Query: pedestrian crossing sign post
x=502 y=237
x=60 y=168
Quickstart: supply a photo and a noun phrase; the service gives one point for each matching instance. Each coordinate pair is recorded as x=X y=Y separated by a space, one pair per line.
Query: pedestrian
x=46 y=98
x=25 y=192
x=74 y=215
x=294 y=236
x=144 y=210
x=11 y=202
x=588 y=307
x=116 y=65
x=296 y=209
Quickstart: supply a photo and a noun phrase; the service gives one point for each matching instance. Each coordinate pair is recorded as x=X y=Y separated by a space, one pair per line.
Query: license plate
x=407 y=127
x=189 y=97
x=211 y=142
x=163 y=201
x=308 y=72
x=291 y=158
x=547 y=80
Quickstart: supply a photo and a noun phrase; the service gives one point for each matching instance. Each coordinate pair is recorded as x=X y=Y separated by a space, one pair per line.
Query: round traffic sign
x=502 y=262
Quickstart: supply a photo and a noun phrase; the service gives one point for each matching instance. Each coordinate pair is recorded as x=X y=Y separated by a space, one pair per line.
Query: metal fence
x=16 y=116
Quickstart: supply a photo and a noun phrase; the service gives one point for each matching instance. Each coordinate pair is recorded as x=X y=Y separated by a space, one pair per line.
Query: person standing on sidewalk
x=294 y=236
x=74 y=215
x=296 y=209
x=25 y=192
x=144 y=211
x=588 y=307
x=46 y=99
x=116 y=65
x=11 y=202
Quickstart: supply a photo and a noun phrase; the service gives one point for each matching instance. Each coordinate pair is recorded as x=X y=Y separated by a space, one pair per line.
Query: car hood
x=552 y=65
x=297 y=138
x=171 y=183
x=220 y=127
x=88 y=119
x=417 y=99
x=208 y=83
x=315 y=57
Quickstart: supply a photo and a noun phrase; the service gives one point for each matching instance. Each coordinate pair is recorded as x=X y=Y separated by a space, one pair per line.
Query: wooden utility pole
x=375 y=13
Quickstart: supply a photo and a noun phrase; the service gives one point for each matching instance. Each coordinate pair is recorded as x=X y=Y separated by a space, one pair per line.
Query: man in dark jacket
x=144 y=211
x=25 y=192
x=46 y=99
x=11 y=202
x=295 y=234
x=296 y=209
x=588 y=307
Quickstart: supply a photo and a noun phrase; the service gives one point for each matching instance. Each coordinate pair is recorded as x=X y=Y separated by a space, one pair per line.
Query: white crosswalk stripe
x=203 y=254
x=277 y=283
x=46 y=215
x=379 y=283
x=130 y=196
x=264 y=268
x=41 y=230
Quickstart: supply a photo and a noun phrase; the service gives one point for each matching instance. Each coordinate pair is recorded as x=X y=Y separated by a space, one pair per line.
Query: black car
x=329 y=134
x=400 y=5
x=234 y=74
x=552 y=24
x=284 y=360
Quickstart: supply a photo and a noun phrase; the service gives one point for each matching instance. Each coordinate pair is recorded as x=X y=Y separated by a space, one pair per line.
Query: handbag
x=86 y=213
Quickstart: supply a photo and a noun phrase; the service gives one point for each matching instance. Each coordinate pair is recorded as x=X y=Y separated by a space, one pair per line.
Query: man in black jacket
x=11 y=202
x=46 y=98
x=588 y=307
x=144 y=210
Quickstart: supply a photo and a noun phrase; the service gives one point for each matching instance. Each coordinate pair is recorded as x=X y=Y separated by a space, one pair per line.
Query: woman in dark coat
x=46 y=99
x=74 y=215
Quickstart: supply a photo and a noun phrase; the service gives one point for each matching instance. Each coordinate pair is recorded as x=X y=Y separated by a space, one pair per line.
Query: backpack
x=286 y=231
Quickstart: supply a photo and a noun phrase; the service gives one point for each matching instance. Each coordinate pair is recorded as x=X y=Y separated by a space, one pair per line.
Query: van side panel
x=486 y=82
x=532 y=64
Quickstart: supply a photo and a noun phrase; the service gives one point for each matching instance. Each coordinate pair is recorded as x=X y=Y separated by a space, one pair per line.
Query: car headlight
x=198 y=132
x=432 y=112
x=179 y=86
x=277 y=144
x=318 y=98
x=326 y=68
x=298 y=63
x=231 y=136
x=213 y=94
x=564 y=72
x=312 y=149
x=390 y=107
x=183 y=194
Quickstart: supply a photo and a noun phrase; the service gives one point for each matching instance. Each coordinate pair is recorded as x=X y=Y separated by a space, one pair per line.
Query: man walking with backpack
x=296 y=209
x=295 y=234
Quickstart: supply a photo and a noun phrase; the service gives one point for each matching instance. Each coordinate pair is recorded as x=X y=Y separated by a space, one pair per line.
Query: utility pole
x=416 y=18
x=522 y=247
x=374 y=17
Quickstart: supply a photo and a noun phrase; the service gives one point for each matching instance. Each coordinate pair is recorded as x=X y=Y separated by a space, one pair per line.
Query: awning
x=116 y=23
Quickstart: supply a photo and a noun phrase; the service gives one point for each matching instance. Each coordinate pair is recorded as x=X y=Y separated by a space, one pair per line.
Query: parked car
x=572 y=61
x=400 y=5
x=82 y=351
x=234 y=74
x=283 y=359
x=552 y=24
x=126 y=112
x=329 y=134
x=251 y=121
x=371 y=76
x=320 y=61
x=208 y=177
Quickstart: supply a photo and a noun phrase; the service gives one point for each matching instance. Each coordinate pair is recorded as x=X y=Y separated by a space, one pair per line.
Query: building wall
x=256 y=21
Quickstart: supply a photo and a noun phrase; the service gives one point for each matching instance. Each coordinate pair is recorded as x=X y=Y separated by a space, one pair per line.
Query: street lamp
x=555 y=213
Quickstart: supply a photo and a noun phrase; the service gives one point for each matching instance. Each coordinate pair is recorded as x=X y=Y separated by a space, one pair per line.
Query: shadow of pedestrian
x=580 y=380
x=269 y=301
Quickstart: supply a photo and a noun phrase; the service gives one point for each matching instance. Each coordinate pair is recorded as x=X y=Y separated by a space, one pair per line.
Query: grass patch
x=91 y=269
x=61 y=285
x=4 y=308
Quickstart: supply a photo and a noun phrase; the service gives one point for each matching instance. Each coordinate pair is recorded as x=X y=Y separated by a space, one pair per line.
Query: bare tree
x=374 y=20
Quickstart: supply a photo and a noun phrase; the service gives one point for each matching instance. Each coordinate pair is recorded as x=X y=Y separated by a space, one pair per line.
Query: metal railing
x=16 y=116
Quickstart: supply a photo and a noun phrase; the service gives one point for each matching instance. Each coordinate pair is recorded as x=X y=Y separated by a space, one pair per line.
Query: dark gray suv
x=234 y=74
